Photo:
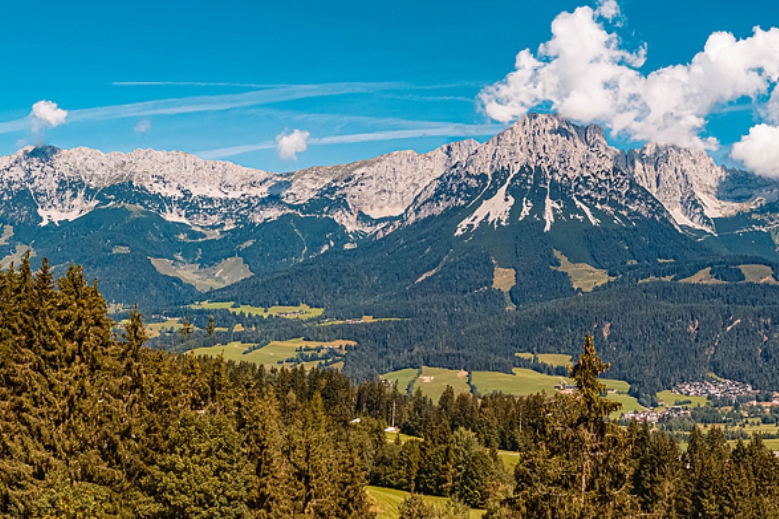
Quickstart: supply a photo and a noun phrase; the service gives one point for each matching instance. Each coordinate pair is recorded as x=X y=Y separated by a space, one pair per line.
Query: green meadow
x=583 y=276
x=386 y=502
x=289 y=312
x=553 y=359
x=402 y=378
x=273 y=354
x=433 y=382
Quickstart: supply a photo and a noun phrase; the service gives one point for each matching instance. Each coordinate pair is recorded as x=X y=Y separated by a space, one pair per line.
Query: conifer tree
x=210 y=328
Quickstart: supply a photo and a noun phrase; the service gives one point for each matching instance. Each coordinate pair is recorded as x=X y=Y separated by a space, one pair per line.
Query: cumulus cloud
x=584 y=73
x=608 y=9
x=46 y=114
x=289 y=145
x=759 y=151
x=143 y=126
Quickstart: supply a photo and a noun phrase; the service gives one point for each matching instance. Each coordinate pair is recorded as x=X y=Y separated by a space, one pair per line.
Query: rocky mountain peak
x=685 y=181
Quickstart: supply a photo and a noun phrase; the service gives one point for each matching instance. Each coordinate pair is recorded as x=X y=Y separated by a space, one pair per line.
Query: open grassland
x=274 y=354
x=650 y=279
x=528 y=382
x=363 y=320
x=669 y=398
x=629 y=404
x=702 y=277
x=521 y=382
x=510 y=459
x=553 y=359
x=433 y=382
x=583 y=276
x=758 y=274
x=155 y=329
x=225 y=273
x=757 y=427
x=771 y=444
x=393 y=437
x=504 y=279
x=386 y=502
x=402 y=377
x=290 y=312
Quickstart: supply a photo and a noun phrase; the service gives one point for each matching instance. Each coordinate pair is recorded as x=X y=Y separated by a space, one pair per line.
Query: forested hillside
x=96 y=425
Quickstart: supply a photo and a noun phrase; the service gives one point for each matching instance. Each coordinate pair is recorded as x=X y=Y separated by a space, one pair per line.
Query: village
x=721 y=389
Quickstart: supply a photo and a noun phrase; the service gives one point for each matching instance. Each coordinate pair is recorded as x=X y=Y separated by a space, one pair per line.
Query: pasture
x=402 y=378
x=386 y=502
x=289 y=312
x=155 y=329
x=275 y=353
x=433 y=382
x=758 y=274
x=669 y=398
x=583 y=276
x=553 y=359
x=702 y=277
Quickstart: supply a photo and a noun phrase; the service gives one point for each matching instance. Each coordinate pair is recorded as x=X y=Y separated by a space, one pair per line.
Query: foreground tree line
x=92 y=424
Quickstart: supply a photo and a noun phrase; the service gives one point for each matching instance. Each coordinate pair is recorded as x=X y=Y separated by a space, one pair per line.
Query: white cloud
x=584 y=73
x=143 y=126
x=759 y=151
x=771 y=110
x=289 y=145
x=46 y=114
x=608 y=9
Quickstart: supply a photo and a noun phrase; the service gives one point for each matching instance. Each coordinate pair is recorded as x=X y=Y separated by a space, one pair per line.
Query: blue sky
x=223 y=79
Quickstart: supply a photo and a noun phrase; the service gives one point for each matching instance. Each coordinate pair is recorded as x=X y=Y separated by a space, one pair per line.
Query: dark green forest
x=95 y=424
x=655 y=334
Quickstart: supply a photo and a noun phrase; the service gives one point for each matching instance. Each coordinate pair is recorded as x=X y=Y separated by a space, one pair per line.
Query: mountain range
x=191 y=225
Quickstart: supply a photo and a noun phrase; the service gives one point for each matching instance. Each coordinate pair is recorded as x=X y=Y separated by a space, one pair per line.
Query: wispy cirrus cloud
x=195 y=84
x=209 y=103
x=441 y=130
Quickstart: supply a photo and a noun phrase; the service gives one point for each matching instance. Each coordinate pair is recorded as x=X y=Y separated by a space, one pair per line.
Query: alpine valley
x=470 y=253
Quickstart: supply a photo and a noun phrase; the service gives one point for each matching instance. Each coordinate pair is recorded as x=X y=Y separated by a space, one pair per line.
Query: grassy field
x=154 y=329
x=670 y=398
x=403 y=378
x=504 y=279
x=528 y=382
x=290 y=312
x=629 y=404
x=583 y=276
x=433 y=382
x=204 y=279
x=553 y=359
x=522 y=382
x=269 y=355
x=364 y=319
x=757 y=427
x=758 y=274
x=387 y=501
x=509 y=459
x=392 y=437
x=650 y=279
x=702 y=277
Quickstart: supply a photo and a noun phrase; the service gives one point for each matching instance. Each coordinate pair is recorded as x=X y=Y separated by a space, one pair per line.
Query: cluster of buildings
x=652 y=416
x=720 y=389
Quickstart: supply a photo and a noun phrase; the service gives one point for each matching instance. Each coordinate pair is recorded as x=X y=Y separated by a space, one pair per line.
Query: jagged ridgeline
x=166 y=227
x=95 y=425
